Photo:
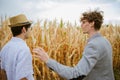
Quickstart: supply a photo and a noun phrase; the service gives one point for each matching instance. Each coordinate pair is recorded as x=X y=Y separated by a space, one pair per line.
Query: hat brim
x=20 y=24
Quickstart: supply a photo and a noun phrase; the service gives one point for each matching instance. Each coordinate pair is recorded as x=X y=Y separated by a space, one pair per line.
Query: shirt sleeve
x=24 y=66
x=83 y=67
x=2 y=59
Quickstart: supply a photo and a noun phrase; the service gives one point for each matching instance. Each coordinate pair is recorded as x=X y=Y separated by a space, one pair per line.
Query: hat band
x=20 y=24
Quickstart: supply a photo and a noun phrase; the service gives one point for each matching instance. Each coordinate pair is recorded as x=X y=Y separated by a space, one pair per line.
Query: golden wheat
x=64 y=43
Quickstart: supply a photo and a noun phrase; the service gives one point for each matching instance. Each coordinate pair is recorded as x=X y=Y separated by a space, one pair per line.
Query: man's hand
x=3 y=75
x=23 y=79
x=41 y=54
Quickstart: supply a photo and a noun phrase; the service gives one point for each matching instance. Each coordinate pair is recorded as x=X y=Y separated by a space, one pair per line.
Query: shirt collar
x=17 y=39
x=94 y=36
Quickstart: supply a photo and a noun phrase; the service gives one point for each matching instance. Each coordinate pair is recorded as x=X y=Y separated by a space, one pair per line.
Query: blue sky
x=68 y=10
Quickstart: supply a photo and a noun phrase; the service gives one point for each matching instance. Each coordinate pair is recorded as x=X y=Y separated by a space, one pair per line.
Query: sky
x=68 y=10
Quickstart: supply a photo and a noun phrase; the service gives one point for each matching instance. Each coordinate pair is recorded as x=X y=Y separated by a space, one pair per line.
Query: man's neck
x=92 y=33
x=20 y=36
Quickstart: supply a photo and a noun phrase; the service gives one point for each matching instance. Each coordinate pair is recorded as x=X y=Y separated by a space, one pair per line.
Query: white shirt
x=16 y=60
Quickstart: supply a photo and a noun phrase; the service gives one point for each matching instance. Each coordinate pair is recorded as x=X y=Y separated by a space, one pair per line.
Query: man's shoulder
x=98 y=42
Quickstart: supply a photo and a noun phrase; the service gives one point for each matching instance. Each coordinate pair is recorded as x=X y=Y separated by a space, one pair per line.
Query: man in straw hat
x=16 y=58
x=96 y=62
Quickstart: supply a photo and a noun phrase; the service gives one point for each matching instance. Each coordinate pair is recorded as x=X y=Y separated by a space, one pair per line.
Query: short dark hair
x=16 y=30
x=93 y=16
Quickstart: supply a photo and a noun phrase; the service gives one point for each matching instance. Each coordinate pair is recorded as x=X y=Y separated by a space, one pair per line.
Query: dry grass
x=64 y=43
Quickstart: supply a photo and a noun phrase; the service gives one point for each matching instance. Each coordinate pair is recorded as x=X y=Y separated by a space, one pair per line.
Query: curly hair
x=93 y=16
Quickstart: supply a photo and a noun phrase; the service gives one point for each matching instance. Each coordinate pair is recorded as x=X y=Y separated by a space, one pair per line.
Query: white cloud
x=71 y=12
x=66 y=9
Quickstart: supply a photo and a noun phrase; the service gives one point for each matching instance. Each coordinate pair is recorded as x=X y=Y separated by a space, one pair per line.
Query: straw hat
x=19 y=20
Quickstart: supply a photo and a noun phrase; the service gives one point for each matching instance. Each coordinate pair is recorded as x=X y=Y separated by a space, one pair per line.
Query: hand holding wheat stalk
x=41 y=54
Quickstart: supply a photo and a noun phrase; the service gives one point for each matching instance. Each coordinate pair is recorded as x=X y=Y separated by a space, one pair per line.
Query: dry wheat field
x=63 y=42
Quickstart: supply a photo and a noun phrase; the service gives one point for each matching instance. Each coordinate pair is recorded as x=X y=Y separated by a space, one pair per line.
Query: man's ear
x=23 y=30
x=92 y=24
